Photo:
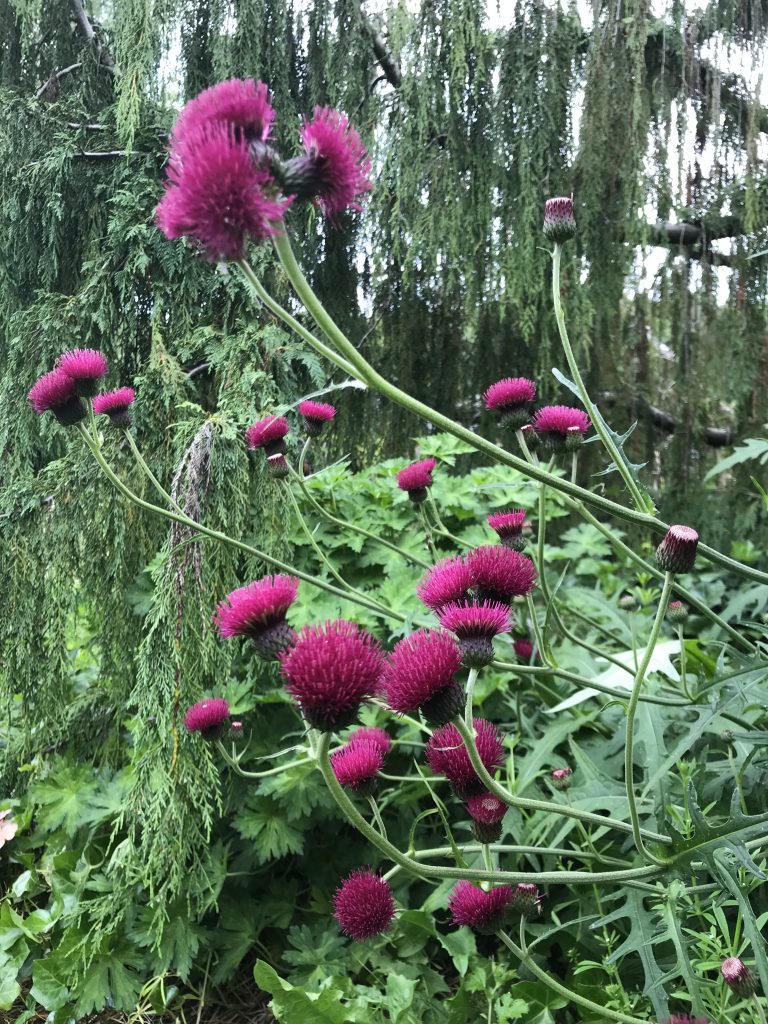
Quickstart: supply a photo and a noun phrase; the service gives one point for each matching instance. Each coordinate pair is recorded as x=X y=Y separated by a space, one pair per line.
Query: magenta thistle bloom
x=499 y=574
x=509 y=527
x=486 y=811
x=357 y=765
x=316 y=415
x=514 y=398
x=677 y=552
x=268 y=434
x=207 y=717
x=330 y=671
x=117 y=405
x=447 y=755
x=483 y=911
x=86 y=367
x=217 y=195
x=527 y=899
x=738 y=977
x=475 y=625
x=523 y=648
x=420 y=675
x=372 y=734
x=559 y=222
x=258 y=611
x=561 y=778
x=448 y=580
x=241 y=104
x=56 y=392
x=363 y=905
x=555 y=424
x=335 y=170
x=416 y=478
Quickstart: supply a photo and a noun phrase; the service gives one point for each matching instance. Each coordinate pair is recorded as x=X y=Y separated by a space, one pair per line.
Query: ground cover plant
x=630 y=887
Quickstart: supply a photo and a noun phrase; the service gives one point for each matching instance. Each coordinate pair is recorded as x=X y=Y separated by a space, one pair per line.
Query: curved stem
x=471 y=680
x=428 y=532
x=235 y=765
x=536 y=631
x=631 y=710
x=377 y=815
x=536 y=670
x=149 y=474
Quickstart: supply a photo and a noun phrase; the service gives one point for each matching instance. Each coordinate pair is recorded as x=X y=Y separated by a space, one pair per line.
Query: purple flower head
x=510 y=394
x=554 y=422
x=330 y=671
x=483 y=911
x=447 y=755
x=420 y=675
x=738 y=977
x=677 y=552
x=561 y=778
x=363 y=905
x=86 y=367
x=499 y=573
x=527 y=899
x=56 y=392
x=207 y=717
x=335 y=169
x=216 y=194
x=523 y=648
x=258 y=611
x=416 y=478
x=240 y=104
x=559 y=222
x=268 y=434
x=372 y=734
x=509 y=527
x=357 y=764
x=316 y=415
x=475 y=625
x=448 y=580
x=116 y=404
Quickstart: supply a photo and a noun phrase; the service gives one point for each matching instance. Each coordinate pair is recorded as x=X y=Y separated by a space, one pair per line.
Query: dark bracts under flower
x=485 y=912
x=56 y=392
x=561 y=778
x=86 y=367
x=372 y=734
x=277 y=466
x=330 y=671
x=241 y=104
x=117 y=405
x=738 y=977
x=357 y=765
x=268 y=434
x=677 y=552
x=527 y=899
x=486 y=812
x=509 y=527
x=499 y=574
x=559 y=424
x=363 y=905
x=316 y=416
x=420 y=675
x=208 y=717
x=475 y=625
x=447 y=755
x=258 y=611
x=448 y=580
x=416 y=478
x=559 y=222
x=513 y=397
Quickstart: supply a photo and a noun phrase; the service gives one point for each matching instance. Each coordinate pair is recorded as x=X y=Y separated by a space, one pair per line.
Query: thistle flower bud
x=561 y=778
x=530 y=436
x=677 y=612
x=486 y=812
x=277 y=467
x=738 y=977
x=677 y=552
x=559 y=222
x=527 y=899
x=727 y=736
x=628 y=603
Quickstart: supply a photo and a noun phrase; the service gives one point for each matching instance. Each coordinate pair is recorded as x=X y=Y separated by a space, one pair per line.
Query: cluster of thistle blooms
x=76 y=375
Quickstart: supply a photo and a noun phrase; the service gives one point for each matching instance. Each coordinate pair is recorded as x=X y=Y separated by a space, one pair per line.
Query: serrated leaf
x=292 y=1005
x=263 y=821
x=400 y=992
x=708 y=838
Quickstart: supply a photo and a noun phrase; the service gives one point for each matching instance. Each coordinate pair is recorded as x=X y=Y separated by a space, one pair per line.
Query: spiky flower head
x=448 y=580
x=117 y=405
x=486 y=812
x=240 y=104
x=258 y=611
x=268 y=434
x=334 y=170
x=513 y=397
x=372 y=734
x=677 y=552
x=363 y=905
x=86 y=367
x=677 y=612
x=509 y=527
x=56 y=392
x=416 y=478
x=316 y=415
x=330 y=670
x=482 y=911
x=447 y=755
x=561 y=778
x=420 y=675
x=499 y=574
x=277 y=467
x=738 y=977
x=559 y=222
x=523 y=648
x=216 y=194
x=527 y=899
x=357 y=764
x=554 y=422
x=207 y=717
x=475 y=625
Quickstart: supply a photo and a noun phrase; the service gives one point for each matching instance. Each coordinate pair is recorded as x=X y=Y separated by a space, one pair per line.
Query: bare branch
x=88 y=32
x=383 y=53
x=49 y=90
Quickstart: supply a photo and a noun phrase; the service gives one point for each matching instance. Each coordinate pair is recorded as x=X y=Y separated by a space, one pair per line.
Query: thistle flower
x=335 y=169
x=559 y=222
x=372 y=734
x=677 y=552
x=207 y=717
x=509 y=527
x=330 y=671
x=416 y=478
x=553 y=423
x=561 y=778
x=448 y=580
x=420 y=675
x=277 y=467
x=684 y=1018
x=738 y=977
x=513 y=397
x=86 y=367
x=523 y=648
x=217 y=195
x=268 y=434
x=486 y=812
x=628 y=603
x=527 y=899
x=475 y=625
x=316 y=415
x=240 y=104
x=363 y=905
x=499 y=574
x=677 y=612
x=357 y=764
x=56 y=392
x=258 y=611
x=117 y=405
x=482 y=911
x=447 y=755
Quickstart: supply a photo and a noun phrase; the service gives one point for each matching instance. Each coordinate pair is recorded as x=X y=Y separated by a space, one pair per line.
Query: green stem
x=536 y=630
x=759 y=1007
x=535 y=670
x=150 y=475
x=574 y=466
x=683 y=669
x=471 y=680
x=524 y=448
x=235 y=765
x=377 y=815
x=92 y=421
x=632 y=709
x=428 y=532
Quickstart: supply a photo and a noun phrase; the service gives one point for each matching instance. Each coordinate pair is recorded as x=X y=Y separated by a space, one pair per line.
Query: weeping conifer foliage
x=472 y=126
